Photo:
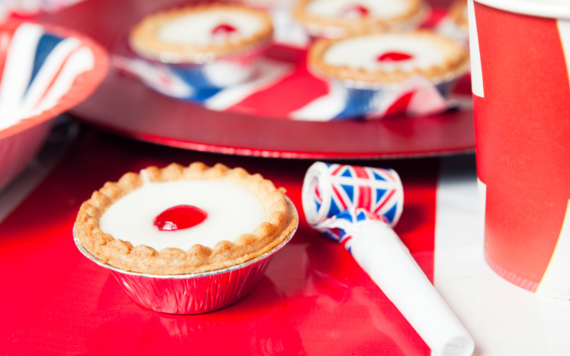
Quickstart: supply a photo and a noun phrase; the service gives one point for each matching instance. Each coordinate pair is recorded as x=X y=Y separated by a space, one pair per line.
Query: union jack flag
x=337 y=198
x=36 y=69
x=181 y=82
x=417 y=96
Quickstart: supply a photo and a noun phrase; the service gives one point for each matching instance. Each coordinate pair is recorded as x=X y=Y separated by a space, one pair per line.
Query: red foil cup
x=191 y=293
x=520 y=55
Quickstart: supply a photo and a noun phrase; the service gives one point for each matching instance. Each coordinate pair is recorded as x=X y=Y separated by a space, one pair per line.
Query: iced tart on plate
x=341 y=18
x=198 y=34
x=184 y=220
x=386 y=58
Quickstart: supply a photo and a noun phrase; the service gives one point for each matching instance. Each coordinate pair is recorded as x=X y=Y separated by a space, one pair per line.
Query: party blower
x=358 y=206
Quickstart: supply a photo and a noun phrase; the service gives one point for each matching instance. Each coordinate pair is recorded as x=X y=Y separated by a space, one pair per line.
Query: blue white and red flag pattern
x=308 y=97
x=170 y=81
x=36 y=69
x=338 y=199
x=417 y=96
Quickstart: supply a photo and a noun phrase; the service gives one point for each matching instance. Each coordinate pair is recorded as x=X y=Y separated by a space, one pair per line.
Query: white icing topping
x=362 y=53
x=231 y=210
x=378 y=9
x=196 y=28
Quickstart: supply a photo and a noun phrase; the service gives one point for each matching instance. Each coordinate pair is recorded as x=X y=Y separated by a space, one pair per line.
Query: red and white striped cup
x=520 y=57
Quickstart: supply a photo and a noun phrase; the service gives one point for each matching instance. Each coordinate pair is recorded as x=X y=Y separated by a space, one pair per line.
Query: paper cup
x=521 y=93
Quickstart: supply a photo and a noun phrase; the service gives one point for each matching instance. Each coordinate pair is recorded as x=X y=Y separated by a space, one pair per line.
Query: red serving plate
x=124 y=105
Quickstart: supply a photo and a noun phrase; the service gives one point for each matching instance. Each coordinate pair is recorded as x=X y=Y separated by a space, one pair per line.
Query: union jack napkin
x=415 y=97
x=358 y=206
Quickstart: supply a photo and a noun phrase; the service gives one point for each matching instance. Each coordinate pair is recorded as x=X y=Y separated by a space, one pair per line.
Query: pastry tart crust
x=457 y=62
x=280 y=221
x=457 y=14
x=342 y=27
x=262 y=4
x=144 y=40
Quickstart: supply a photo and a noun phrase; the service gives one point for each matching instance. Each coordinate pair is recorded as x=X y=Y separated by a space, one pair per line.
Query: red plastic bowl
x=19 y=142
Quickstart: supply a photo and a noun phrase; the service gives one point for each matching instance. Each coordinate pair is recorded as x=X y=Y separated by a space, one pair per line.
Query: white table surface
x=502 y=318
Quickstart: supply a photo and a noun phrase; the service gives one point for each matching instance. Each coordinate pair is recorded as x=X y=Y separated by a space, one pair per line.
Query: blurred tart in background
x=341 y=18
x=199 y=34
x=387 y=58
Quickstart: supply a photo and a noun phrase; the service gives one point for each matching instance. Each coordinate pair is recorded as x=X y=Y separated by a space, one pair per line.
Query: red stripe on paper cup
x=522 y=128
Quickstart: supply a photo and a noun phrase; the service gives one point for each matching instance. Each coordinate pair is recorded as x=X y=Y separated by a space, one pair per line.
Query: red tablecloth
x=314 y=299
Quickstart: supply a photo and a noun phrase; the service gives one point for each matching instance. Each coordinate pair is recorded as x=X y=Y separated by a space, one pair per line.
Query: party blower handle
x=381 y=253
x=357 y=207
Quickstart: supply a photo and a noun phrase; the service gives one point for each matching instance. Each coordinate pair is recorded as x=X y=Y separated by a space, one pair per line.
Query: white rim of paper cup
x=558 y=9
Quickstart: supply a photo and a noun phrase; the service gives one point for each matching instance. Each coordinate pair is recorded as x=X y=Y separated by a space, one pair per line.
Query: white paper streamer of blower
x=357 y=206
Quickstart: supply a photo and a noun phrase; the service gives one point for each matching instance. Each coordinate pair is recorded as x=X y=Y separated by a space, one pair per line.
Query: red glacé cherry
x=393 y=57
x=223 y=29
x=179 y=217
x=357 y=9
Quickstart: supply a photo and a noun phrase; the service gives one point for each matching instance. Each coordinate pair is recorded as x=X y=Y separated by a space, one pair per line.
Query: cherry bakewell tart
x=388 y=58
x=184 y=220
x=201 y=34
x=341 y=18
